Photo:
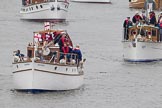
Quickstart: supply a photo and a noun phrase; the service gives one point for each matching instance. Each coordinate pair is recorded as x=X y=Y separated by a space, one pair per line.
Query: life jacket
x=151 y=15
x=62 y=40
x=160 y=25
x=43 y=36
x=65 y=49
x=126 y=21
x=137 y=17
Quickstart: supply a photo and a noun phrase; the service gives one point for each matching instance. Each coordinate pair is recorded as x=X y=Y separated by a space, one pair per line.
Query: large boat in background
x=46 y=68
x=142 y=4
x=93 y=1
x=44 y=9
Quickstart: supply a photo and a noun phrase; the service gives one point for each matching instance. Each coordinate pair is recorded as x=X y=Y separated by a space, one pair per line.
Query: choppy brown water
x=109 y=81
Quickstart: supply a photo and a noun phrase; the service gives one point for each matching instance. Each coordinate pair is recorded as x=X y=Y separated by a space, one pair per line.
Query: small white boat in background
x=44 y=9
x=92 y=1
x=43 y=70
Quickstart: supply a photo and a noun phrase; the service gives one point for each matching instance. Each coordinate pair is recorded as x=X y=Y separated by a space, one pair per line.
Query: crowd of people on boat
x=61 y=39
x=142 y=19
x=57 y=38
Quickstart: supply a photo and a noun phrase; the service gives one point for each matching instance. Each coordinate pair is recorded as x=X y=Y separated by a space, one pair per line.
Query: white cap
x=77 y=45
x=136 y=12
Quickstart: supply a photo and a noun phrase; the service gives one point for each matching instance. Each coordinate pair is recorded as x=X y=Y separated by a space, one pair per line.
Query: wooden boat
x=92 y=1
x=143 y=44
x=44 y=9
x=43 y=68
x=141 y=4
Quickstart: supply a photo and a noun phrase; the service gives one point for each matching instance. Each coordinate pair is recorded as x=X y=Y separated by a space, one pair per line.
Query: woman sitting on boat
x=19 y=56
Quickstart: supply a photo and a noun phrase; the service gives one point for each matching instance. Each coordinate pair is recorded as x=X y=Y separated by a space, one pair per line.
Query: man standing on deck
x=127 y=23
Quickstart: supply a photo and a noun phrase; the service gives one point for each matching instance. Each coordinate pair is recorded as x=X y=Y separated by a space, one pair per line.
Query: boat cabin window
x=142 y=32
x=154 y=32
x=30 y=53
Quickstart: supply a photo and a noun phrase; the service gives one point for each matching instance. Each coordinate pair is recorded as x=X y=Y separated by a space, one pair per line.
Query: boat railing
x=45 y=1
x=58 y=58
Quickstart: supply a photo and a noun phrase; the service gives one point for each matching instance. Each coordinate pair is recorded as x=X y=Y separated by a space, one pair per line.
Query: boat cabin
x=48 y=50
x=144 y=33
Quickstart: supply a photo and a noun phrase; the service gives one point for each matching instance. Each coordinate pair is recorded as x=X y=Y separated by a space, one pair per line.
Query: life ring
x=46 y=51
x=133 y=32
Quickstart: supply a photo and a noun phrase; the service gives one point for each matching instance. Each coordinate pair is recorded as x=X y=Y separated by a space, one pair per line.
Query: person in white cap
x=136 y=18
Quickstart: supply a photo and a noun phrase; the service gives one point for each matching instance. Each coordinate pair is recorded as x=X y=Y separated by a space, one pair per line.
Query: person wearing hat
x=136 y=18
x=78 y=53
x=152 y=18
x=127 y=23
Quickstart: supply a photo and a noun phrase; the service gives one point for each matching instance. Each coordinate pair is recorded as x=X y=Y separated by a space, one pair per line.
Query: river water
x=109 y=81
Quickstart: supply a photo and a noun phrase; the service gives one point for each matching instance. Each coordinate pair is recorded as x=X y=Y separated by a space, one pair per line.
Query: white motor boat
x=143 y=44
x=44 y=9
x=44 y=69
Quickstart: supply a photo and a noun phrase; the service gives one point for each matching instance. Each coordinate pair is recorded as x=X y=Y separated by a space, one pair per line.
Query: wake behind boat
x=50 y=64
x=44 y=9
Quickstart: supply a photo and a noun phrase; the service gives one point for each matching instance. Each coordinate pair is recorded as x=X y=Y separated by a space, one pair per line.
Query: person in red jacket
x=66 y=50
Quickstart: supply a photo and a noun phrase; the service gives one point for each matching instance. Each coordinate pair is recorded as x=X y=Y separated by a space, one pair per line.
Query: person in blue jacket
x=77 y=51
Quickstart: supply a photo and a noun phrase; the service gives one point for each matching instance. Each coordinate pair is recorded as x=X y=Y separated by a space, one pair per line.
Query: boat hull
x=45 y=11
x=40 y=76
x=142 y=51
